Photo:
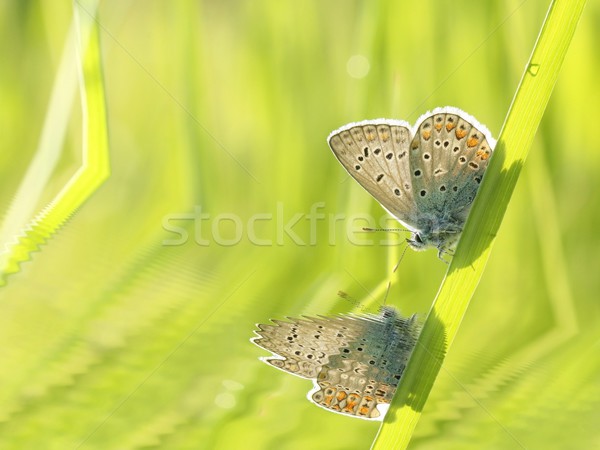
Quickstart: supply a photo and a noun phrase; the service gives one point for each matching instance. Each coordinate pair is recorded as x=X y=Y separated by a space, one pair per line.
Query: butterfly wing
x=376 y=154
x=448 y=157
x=302 y=346
x=361 y=380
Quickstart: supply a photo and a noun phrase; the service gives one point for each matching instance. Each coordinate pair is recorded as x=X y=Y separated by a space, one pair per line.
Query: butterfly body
x=425 y=176
x=355 y=361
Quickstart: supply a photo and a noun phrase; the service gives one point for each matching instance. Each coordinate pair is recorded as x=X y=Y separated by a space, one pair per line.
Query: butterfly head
x=443 y=241
x=416 y=242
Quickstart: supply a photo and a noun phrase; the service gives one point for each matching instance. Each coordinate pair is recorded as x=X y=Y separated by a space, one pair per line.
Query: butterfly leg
x=442 y=252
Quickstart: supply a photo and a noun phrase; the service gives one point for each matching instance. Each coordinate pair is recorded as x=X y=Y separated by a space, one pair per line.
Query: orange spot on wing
x=426 y=135
x=328 y=399
x=472 y=141
x=349 y=407
x=482 y=154
x=363 y=411
x=460 y=133
x=341 y=396
x=385 y=136
x=438 y=126
x=450 y=126
x=351 y=403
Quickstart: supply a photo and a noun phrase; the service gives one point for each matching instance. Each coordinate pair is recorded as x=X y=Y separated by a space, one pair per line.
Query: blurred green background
x=121 y=332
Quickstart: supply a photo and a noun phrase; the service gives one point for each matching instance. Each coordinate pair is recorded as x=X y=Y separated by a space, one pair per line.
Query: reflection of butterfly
x=355 y=361
x=426 y=176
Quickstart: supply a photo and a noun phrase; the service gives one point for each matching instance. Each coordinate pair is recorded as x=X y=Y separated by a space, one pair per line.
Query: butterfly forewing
x=302 y=346
x=376 y=154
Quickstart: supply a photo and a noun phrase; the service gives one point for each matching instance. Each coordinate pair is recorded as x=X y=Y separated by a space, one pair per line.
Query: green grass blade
x=95 y=167
x=473 y=251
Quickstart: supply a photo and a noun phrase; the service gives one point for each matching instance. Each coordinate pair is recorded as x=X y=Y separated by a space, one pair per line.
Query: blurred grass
x=95 y=169
x=111 y=339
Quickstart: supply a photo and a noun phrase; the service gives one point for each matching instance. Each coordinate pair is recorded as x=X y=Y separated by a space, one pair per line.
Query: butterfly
x=426 y=177
x=355 y=361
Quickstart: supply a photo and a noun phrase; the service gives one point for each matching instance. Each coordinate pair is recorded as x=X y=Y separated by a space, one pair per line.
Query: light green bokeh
x=113 y=339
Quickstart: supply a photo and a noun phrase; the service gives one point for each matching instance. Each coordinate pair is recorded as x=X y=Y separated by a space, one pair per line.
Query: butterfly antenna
x=387 y=292
x=344 y=295
x=401 y=258
x=391 y=230
x=389 y=285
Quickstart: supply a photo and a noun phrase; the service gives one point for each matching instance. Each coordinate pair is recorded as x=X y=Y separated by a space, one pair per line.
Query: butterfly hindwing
x=363 y=376
x=453 y=149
